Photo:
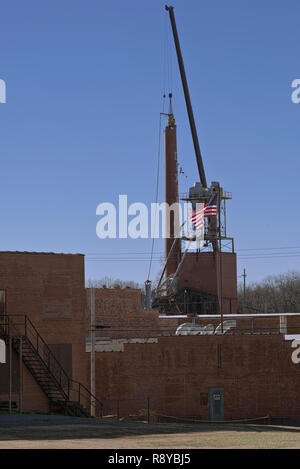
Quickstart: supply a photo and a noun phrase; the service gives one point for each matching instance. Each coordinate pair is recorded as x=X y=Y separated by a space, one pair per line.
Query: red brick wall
x=256 y=372
x=33 y=398
x=121 y=309
x=49 y=288
x=265 y=324
x=202 y=270
x=293 y=325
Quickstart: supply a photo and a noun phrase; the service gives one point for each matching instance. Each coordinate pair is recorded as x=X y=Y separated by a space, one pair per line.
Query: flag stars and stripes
x=207 y=210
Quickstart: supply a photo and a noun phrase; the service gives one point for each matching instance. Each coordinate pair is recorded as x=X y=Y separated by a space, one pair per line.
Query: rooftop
x=40 y=253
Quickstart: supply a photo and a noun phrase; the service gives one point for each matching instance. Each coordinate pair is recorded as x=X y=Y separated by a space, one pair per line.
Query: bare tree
x=275 y=294
x=110 y=282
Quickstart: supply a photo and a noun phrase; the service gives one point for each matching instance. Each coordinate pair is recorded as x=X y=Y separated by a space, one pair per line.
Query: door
x=216 y=403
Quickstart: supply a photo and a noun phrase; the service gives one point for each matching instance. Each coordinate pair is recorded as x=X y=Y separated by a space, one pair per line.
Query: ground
x=57 y=432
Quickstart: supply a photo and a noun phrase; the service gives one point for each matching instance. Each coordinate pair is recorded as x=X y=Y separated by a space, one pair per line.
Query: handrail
x=29 y=326
x=47 y=347
x=92 y=396
x=48 y=350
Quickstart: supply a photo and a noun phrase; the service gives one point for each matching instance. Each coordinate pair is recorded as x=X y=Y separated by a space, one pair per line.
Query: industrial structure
x=203 y=281
x=185 y=355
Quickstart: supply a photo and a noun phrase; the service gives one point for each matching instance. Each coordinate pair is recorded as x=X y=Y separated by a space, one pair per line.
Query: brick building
x=42 y=301
x=249 y=370
x=254 y=375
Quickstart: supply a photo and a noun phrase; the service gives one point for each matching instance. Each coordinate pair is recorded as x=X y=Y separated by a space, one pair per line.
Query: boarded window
x=63 y=355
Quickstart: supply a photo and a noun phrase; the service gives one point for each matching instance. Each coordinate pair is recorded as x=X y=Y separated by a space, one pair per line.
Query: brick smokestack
x=171 y=194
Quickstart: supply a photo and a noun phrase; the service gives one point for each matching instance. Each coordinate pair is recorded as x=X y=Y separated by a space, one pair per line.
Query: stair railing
x=72 y=390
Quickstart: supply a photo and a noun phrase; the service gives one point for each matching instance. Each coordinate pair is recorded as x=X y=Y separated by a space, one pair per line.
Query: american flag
x=208 y=210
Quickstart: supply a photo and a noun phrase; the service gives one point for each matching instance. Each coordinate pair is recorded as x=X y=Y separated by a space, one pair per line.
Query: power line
x=145 y=256
x=106 y=259
x=161 y=252
x=268 y=249
x=270 y=256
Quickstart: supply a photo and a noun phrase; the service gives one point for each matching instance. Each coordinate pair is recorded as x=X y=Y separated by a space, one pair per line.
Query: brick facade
x=48 y=288
x=207 y=271
x=256 y=372
x=141 y=356
x=121 y=310
x=253 y=365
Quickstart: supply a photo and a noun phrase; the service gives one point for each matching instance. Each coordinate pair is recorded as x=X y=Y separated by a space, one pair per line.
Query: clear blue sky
x=80 y=126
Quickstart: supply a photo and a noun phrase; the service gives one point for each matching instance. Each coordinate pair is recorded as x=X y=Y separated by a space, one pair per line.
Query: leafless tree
x=110 y=282
x=275 y=294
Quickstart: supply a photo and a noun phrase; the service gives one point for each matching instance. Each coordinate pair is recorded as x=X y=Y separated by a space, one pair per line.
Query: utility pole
x=244 y=296
x=20 y=376
x=10 y=372
x=93 y=352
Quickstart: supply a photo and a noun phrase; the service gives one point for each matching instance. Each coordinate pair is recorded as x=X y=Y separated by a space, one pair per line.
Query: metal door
x=216 y=403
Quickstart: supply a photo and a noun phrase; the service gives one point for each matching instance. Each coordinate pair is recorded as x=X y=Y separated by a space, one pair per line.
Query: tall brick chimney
x=171 y=192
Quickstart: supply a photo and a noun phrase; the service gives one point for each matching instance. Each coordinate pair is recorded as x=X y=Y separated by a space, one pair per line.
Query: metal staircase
x=64 y=394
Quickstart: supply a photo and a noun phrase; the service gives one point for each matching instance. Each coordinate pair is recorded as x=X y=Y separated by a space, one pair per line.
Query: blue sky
x=84 y=91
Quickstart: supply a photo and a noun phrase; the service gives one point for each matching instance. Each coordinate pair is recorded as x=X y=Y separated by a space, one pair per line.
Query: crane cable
x=167 y=83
